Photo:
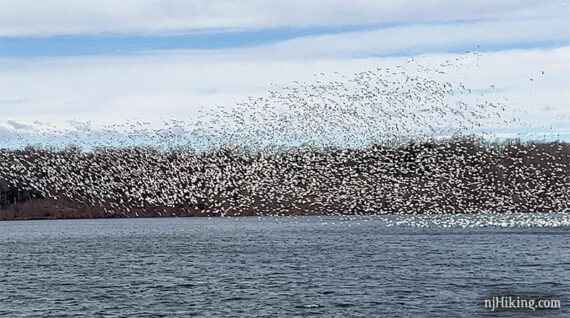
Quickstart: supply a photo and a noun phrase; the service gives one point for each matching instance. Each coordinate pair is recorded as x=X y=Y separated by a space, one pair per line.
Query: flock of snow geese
x=389 y=140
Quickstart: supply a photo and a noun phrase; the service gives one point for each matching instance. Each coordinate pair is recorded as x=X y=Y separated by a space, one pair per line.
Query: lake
x=277 y=266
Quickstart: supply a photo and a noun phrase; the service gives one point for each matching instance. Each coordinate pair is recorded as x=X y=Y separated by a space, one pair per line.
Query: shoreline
x=29 y=211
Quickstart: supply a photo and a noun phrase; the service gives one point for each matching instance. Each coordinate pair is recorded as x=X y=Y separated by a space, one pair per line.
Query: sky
x=107 y=61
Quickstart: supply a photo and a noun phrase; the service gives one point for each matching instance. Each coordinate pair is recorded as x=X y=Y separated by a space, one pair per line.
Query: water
x=286 y=266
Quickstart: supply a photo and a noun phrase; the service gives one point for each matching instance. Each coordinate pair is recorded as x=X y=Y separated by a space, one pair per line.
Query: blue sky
x=108 y=61
x=118 y=44
x=35 y=46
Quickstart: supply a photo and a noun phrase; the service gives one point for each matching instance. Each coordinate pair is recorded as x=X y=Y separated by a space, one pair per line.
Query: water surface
x=327 y=266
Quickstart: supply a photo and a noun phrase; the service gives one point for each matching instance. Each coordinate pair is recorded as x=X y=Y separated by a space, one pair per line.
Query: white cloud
x=111 y=89
x=44 y=18
x=424 y=38
x=167 y=84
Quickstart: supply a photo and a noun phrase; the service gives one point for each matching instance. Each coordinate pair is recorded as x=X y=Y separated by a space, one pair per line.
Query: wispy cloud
x=165 y=76
x=111 y=88
x=56 y=17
